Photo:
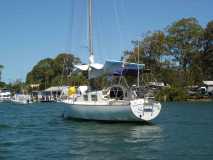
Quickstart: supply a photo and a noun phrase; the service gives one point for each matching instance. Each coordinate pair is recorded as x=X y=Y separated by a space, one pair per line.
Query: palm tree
x=1 y=67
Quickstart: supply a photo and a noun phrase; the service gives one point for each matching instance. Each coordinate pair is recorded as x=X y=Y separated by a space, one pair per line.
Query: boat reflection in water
x=144 y=133
x=115 y=140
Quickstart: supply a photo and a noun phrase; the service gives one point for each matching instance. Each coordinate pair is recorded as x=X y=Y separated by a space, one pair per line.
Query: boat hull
x=21 y=102
x=104 y=113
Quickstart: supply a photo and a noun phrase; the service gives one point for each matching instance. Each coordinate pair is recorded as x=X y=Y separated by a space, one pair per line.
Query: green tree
x=42 y=73
x=152 y=48
x=56 y=71
x=64 y=63
x=63 y=66
x=174 y=93
x=17 y=86
x=185 y=41
x=1 y=68
x=207 y=57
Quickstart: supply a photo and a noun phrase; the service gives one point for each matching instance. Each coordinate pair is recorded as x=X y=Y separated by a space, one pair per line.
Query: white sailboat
x=115 y=103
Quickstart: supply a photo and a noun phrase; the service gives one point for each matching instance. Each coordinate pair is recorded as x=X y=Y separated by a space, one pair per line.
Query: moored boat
x=97 y=106
x=118 y=102
x=21 y=99
x=5 y=95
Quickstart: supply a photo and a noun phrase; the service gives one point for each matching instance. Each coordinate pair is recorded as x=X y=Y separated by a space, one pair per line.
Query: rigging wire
x=117 y=21
x=76 y=42
x=77 y=39
x=82 y=30
x=69 y=41
x=97 y=37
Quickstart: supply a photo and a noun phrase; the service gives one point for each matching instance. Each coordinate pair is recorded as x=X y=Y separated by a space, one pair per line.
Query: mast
x=138 y=77
x=91 y=58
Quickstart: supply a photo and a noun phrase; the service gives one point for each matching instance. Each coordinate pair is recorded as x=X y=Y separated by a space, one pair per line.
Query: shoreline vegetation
x=180 y=56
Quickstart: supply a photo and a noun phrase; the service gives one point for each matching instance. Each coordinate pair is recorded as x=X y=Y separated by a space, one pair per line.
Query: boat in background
x=5 y=95
x=21 y=99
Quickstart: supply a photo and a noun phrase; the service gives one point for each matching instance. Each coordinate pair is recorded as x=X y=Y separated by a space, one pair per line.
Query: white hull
x=21 y=99
x=5 y=96
x=112 y=112
x=4 y=99
x=21 y=102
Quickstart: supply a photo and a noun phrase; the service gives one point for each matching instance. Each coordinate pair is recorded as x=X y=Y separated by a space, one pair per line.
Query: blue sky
x=34 y=29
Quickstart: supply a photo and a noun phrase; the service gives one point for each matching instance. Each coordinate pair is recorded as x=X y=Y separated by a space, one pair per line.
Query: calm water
x=38 y=132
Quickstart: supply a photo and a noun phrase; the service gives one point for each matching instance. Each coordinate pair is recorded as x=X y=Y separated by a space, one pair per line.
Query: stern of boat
x=145 y=108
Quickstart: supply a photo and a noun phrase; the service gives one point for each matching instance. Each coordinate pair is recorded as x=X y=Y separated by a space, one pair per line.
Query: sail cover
x=122 y=68
x=81 y=67
x=96 y=69
x=118 y=68
x=85 y=67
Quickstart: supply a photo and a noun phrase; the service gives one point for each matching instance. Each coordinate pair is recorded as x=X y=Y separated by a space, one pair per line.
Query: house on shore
x=54 y=93
x=207 y=87
x=50 y=94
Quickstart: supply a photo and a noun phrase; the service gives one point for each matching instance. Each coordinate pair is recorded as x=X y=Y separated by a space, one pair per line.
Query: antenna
x=138 y=78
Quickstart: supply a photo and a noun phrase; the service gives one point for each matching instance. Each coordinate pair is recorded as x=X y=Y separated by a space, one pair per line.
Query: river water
x=38 y=132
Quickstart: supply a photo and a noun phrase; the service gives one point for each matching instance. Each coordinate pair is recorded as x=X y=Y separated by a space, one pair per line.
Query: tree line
x=180 y=55
x=1 y=83
x=51 y=72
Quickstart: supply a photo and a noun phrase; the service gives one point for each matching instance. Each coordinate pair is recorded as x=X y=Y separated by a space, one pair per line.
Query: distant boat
x=21 y=99
x=5 y=95
x=118 y=102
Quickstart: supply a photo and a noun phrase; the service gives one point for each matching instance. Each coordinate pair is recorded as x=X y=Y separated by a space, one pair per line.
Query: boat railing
x=149 y=99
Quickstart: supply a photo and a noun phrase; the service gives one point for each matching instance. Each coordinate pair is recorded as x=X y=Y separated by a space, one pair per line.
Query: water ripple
x=38 y=132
